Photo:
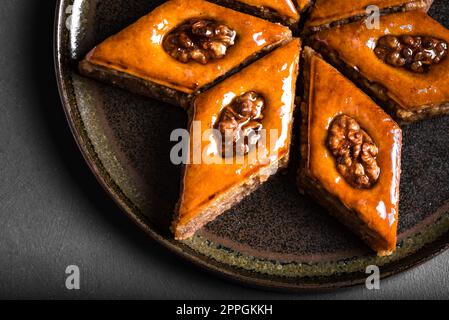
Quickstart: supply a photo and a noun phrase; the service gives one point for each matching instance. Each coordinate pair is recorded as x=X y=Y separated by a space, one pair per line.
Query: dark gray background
x=53 y=213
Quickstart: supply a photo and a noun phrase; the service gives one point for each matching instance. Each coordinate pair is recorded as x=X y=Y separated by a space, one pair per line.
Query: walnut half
x=354 y=151
x=199 y=40
x=240 y=124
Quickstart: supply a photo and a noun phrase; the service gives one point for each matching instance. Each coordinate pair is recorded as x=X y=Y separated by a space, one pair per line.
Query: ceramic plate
x=275 y=238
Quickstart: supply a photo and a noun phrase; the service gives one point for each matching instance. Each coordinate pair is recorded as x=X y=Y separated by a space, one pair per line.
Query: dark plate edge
x=423 y=255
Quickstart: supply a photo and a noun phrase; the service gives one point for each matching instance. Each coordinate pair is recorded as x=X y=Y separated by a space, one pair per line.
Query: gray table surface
x=54 y=214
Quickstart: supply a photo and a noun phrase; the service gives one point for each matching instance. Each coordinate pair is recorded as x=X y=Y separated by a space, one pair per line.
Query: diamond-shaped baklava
x=181 y=48
x=404 y=64
x=330 y=13
x=350 y=155
x=244 y=128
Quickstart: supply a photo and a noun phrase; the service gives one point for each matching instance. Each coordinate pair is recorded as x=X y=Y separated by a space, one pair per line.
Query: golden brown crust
x=371 y=213
x=206 y=186
x=225 y=201
x=285 y=8
x=379 y=93
x=413 y=95
x=303 y=5
x=283 y=11
x=330 y=13
x=138 y=49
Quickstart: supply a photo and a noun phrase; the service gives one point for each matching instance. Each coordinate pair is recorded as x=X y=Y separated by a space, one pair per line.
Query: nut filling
x=199 y=40
x=414 y=53
x=354 y=152
x=240 y=124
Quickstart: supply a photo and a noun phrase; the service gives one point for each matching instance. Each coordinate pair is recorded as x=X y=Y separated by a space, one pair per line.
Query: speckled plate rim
x=249 y=278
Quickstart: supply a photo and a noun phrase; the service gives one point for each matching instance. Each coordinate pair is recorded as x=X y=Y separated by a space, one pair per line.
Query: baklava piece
x=182 y=48
x=326 y=14
x=245 y=125
x=404 y=64
x=350 y=155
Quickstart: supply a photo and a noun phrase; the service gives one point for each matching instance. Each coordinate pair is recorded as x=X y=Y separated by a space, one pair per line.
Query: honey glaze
x=284 y=8
x=331 y=95
x=411 y=90
x=327 y=11
x=138 y=49
x=201 y=180
x=303 y=4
